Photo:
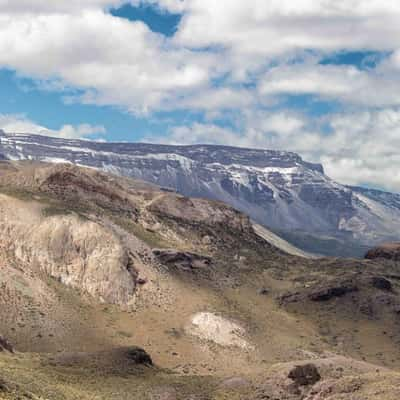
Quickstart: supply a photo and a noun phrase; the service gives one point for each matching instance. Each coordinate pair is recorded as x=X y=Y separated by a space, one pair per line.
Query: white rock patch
x=208 y=326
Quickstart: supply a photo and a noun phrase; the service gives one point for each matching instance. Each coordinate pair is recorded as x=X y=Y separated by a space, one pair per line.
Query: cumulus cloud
x=242 y=60
x=114 y=61
x=378 y=87
x=20 y=124
x=123 y=63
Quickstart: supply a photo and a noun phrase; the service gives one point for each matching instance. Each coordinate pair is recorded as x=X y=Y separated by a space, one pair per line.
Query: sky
x=318 y=77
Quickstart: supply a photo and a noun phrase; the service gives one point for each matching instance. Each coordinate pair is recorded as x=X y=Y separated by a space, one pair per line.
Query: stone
x=327 y=293
x=381 y=283
x=5 y=345
x=206 y=240
x=181 y=260
x=138 y=356
x=304 y=375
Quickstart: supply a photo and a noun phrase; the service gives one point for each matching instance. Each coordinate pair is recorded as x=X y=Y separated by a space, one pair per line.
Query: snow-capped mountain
x=277 y=189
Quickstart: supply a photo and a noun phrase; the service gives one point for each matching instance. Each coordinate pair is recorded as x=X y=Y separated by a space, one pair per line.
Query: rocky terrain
x=389 y=251
x=277 y=189
x=112 y=288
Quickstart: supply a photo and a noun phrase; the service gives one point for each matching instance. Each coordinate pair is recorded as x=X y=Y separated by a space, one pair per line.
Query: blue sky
x=320 y=78
x=22 y=95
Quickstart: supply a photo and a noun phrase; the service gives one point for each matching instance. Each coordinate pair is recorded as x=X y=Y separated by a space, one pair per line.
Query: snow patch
x=56 y=160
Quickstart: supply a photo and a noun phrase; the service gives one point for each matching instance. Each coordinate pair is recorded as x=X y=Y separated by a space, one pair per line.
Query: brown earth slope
x=92 y=266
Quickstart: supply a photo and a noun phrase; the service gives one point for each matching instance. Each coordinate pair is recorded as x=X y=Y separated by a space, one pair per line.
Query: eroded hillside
x=95 y=268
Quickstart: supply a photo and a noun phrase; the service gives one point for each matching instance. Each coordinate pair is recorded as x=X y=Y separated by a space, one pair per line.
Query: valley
x=113 y=288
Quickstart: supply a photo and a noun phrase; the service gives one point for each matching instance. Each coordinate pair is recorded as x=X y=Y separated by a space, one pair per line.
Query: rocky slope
x=389 y=251
x=277 y=189
x=111 y=288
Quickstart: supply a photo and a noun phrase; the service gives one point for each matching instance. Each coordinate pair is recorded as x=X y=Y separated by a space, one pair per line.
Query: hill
x=112 y=288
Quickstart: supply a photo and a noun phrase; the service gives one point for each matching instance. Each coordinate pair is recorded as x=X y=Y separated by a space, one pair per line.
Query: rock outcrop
x=217 y=329
x=5 y=345
x=181 y=260
x=389 y=251
x=79 y=253
x=330 y=292
x=304 y=375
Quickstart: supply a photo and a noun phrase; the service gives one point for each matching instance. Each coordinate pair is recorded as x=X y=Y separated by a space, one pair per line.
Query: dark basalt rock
x=305 y=375
x=181 y=260
x=381 y=283
x=328 y=293
x=138 y=356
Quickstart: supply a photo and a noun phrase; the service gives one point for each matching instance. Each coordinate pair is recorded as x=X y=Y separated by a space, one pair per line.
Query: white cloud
x=20 y=124
x=55 y=6
x=255 y=29
x=115 y=61
x=123 y=63
x=233 y=58
x=378 y=87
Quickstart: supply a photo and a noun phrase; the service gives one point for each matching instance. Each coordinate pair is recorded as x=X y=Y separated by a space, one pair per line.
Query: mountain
x=113 y=288
x=277 y=189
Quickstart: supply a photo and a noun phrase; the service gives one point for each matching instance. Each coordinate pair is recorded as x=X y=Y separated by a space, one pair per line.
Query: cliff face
x=71 y=224
x=77 y=252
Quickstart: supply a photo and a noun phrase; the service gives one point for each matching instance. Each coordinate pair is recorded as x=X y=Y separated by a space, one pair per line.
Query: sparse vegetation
x=72 y=345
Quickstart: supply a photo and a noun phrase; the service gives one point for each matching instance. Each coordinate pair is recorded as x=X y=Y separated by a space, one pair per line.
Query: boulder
x=304 y=375
x=5 y=345
x=138 y=356
x=328 y=293
x=181 y=260
x=381 y=283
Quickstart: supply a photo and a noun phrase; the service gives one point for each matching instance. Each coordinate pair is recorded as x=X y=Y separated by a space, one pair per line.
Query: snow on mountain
x=277 y=189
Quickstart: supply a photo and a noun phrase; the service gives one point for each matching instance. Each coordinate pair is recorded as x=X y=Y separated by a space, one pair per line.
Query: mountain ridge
x=277 y=189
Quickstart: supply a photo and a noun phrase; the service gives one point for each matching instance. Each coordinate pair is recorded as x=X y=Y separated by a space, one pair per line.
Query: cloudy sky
x=319 y=77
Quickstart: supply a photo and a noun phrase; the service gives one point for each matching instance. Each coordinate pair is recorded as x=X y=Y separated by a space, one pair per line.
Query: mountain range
x=277 y=189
